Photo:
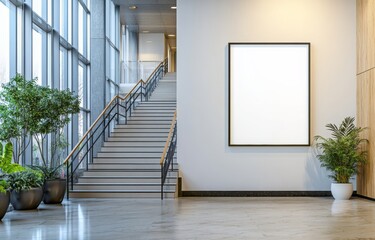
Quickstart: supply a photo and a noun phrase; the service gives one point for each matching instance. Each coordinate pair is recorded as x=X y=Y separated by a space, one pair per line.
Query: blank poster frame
x=269 y=94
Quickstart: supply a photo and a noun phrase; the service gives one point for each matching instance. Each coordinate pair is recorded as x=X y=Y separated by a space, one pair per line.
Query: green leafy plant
x=28 y=109
x=49 y=173
x=344 y=152
x=55 y=109
x=25 y=180
x=19 y=99
x=6 y=155
x=4 y=185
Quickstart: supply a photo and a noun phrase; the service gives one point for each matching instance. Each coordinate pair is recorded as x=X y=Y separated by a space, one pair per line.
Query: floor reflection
x=194 y=218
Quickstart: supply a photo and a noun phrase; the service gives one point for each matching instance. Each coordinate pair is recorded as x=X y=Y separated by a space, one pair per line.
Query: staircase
x=128 y=164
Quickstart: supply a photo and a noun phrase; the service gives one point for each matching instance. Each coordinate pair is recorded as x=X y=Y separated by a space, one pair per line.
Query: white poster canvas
x=269 y=94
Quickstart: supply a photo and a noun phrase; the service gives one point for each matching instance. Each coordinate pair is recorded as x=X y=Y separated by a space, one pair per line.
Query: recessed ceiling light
x=132 y=7
x=145 y=31
x=173 y=7
x=171 y=35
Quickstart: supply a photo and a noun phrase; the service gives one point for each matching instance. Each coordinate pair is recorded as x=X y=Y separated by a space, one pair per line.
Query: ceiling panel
x=155 y=16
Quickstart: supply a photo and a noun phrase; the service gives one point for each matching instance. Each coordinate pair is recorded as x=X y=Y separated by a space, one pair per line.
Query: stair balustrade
x=117 y=110
x=166 y=160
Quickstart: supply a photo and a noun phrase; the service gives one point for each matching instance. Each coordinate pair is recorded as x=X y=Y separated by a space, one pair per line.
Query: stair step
x=155 y=107
x=153 y=111
x=123 y=186
x=141 y=130
x=143 y=126
x=155 y=119
x=140 y=134
x=124 y=173
x=125 y=179
x=134 y=144
x=129 y=155
x=150 y=122
x=136 y=139
x=133 y=149
x=128 y=166
x=161 y=103
x=126 y=160
x=119 y=194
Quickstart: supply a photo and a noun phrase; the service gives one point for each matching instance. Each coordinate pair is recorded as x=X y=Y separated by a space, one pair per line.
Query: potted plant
x=342 y=154
x=26 y=189
x=28 y=109
x=55 y=109
x=4 y=195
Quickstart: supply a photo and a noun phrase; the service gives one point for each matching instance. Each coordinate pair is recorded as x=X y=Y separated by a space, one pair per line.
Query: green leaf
x=343 y=153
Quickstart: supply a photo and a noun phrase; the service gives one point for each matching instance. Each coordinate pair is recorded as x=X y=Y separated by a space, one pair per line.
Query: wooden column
x=366 y=91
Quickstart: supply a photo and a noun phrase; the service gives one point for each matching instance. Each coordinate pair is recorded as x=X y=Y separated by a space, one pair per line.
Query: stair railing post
x=71 y=171
x=92 y=149
x=162 y=182
x=118 y=110
x=67 y=181
x=142 y=91
x=87 y=157
x=126 y=111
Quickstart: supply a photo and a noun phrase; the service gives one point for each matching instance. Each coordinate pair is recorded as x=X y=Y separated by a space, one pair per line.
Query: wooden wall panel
x=366 y=118
x=365 y=35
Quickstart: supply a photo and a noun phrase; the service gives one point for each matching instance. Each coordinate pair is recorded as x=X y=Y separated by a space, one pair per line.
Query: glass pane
x=4 y=44
x=37 y=159
x=62 y=18
x=113 y=64
x=80 y=85
x=37 y=7
x=80 y=28
x=62 y=69
x=80 y=135
x=19 y=39
x=70 y=21
x=88 y=37
x=113 y=23
x=37 y=56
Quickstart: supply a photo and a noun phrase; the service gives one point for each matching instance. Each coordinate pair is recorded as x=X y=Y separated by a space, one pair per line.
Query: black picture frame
x=287 y=75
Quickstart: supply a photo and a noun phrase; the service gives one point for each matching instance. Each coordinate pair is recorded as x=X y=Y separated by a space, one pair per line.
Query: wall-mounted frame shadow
x=269 y=94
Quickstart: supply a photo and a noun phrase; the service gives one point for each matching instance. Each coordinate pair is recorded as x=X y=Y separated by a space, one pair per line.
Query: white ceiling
x=155 y=16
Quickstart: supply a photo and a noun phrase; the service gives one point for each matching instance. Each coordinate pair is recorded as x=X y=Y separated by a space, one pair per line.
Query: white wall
x=151 y=47
x=151 y=52
x=204 y=29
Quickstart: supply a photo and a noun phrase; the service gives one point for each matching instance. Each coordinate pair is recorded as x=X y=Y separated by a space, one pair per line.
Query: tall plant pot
x=26 y=199
x=342 y=191
x=54 y=191
x=4 y=203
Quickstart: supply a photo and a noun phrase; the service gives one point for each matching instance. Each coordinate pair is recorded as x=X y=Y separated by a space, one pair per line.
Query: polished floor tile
x=195 y=218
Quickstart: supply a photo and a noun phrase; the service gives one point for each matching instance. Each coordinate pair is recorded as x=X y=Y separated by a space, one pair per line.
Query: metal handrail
x=166 y=159
x=142 y=89
x=162 y=158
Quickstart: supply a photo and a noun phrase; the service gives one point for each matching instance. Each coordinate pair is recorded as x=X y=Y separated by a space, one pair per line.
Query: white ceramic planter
x=342 y=191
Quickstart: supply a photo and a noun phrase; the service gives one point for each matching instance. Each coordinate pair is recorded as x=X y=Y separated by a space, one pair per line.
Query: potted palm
x=342 y=154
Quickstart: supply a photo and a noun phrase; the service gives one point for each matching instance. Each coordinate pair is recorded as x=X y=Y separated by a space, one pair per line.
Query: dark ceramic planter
x=4 y=203
x=54 y=191
x=26 y=199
